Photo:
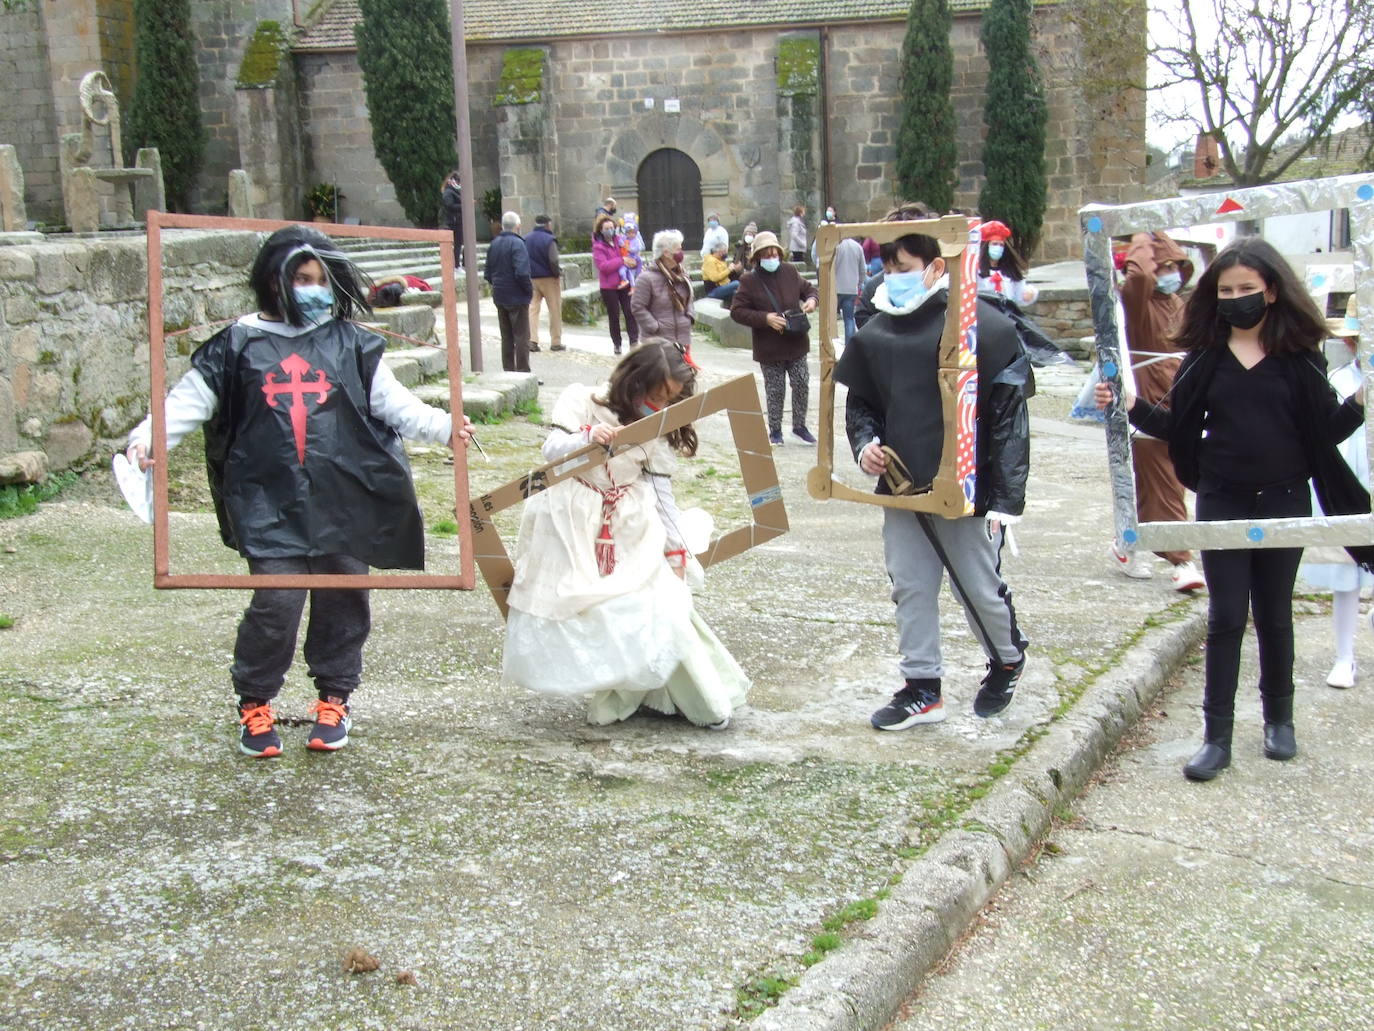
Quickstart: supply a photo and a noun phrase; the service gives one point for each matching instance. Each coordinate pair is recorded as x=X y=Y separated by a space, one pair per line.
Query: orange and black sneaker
x=332 y=723
x=258 y=737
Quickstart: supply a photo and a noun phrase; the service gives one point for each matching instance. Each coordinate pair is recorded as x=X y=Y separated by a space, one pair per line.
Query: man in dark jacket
x=452 y=198
x=891 y=369
x=548 y=287
x=508 y=272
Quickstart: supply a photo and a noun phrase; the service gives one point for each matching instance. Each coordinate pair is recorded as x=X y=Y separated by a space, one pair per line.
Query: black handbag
x=797 y=321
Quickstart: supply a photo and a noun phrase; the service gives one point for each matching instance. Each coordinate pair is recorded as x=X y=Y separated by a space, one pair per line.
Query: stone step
x=413 y=366
x=714 y=317
x=486 y=395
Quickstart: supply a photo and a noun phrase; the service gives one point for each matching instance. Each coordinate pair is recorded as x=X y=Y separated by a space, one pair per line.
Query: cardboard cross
x=1352 y=193
x=163 y=578
x=952 y=491
x=739 y=398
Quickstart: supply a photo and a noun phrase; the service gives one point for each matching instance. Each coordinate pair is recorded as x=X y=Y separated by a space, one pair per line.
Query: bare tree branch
x=1270 y=76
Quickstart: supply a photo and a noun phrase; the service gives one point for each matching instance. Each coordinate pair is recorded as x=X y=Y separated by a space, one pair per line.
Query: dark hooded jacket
x=890 y=367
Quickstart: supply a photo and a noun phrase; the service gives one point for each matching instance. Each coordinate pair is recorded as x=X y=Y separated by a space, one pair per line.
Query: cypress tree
x=1015 y=114
x=164 y=111
x=406 y=57
x=925 y=142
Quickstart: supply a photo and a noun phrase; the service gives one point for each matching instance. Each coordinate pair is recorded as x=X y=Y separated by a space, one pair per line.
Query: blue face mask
x=712 y=224
x=1169 y=283
x=995 y=251
x=904 y=287
x=314 y=302
x=646 y=409
x=771 y=264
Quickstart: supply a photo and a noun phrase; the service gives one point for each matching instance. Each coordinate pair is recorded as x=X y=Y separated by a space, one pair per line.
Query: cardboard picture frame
x=163 y=577
x=1353 y=193
x=952 y=491
x=738 y=398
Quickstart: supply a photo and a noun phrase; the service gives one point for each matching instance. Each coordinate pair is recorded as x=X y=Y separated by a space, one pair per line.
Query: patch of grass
x=759 y=994
x=23 y=499
x=6 y=622
x=444 y=528
x=530 y=410
x=821 y=946
x=861 y=909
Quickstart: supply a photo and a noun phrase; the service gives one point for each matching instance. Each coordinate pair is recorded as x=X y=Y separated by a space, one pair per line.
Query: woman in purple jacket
x=611 y=267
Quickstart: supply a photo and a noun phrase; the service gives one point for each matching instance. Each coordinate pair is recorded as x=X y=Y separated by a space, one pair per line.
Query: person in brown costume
x=1156 y=272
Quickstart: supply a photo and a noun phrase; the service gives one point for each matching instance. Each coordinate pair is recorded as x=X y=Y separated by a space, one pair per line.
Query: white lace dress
x=628 y=638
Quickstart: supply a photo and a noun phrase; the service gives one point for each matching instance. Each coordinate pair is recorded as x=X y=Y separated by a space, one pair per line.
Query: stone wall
x=27 y=116
x=337 y=134
x=74 y=331
x=755 y=143
x=223 y=29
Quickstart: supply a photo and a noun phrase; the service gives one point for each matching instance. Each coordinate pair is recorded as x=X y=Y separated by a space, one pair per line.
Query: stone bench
x=582 y=305
x=486 y=395
x=414 y=365
x=714 y=318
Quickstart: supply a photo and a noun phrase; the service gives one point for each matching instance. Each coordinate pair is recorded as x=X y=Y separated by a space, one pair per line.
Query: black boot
x=1279 y=741
x=1215 y=753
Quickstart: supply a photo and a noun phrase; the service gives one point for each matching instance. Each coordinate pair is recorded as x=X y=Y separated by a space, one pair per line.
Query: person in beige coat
x=662 y=304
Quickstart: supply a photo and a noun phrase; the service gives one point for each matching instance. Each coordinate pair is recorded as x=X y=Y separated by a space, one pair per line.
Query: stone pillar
x=241 y=195
x=267 y=124
x=799 y=137
x=13 y=218
x=526 y=137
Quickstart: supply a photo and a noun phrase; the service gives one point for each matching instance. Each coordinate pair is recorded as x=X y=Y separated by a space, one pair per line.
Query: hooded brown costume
x=1152 y=317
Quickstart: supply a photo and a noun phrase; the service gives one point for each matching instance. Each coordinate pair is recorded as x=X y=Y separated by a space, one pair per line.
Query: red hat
x=995 y=232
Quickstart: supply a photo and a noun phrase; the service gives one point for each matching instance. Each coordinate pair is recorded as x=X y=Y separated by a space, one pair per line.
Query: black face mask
x=1243 y=312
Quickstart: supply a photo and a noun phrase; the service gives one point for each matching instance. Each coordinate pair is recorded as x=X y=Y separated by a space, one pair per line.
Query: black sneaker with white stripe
x=998 y=685
x=918 y=702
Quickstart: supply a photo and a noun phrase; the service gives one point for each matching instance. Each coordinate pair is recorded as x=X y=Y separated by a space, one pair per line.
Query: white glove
x=1006 y=521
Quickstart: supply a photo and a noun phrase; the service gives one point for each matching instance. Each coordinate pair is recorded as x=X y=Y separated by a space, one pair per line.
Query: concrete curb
x=864 y=983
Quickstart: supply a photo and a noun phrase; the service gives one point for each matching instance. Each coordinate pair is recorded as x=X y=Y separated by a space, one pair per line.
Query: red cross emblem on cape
x=297 y=386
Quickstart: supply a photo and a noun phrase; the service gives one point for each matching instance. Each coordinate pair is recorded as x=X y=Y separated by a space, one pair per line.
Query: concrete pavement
x=529 y=870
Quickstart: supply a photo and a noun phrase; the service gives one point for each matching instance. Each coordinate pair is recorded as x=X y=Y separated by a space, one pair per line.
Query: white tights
x=1345 y=618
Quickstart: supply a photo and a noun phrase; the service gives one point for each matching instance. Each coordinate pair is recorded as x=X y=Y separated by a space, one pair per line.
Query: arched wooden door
x=670 y=196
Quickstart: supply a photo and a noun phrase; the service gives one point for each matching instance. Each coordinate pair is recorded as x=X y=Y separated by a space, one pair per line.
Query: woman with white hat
x=765 y=299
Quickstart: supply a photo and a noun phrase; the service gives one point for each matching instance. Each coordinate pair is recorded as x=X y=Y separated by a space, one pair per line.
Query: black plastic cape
x=298 y=466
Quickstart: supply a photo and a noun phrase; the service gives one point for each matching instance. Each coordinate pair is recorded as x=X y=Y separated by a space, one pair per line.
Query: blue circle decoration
x=1129 y=536
x=1365 y=192
x=1109 y=370
x=1255 y=534
x=1318 y=280
x=1095 y=223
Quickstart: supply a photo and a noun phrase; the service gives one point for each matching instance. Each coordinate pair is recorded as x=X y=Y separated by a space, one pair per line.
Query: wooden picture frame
x=163 y=578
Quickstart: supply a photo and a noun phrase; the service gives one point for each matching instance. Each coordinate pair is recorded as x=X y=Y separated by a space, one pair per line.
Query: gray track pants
x=920 y=548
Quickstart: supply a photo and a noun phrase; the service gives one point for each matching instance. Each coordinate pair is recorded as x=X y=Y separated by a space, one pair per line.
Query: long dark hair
x=286 y=250
x=652 y=363
x=1010 y=264
x=1292 y=323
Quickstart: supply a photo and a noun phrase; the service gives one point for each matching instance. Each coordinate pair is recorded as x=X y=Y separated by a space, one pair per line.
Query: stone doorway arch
x=670 y=195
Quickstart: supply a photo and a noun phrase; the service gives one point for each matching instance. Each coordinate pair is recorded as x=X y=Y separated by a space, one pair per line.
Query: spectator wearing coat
x=715 y=234
x=613 y=271
x=765 y=294
x=451 y=196
x=663 y=303
x=796 y=234
x=545 y=278
x=508 y=272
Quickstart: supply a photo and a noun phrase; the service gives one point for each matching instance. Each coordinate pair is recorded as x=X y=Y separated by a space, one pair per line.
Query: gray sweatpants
x=920 y=548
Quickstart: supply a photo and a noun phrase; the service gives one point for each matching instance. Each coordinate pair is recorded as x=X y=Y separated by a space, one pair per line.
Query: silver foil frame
x=1100 y=223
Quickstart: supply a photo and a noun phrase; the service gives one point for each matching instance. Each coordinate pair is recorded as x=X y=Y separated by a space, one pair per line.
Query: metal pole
x=470 y=197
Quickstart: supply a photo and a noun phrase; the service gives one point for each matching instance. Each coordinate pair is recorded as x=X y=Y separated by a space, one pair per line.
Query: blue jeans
x=847 y=313
x=724 y=292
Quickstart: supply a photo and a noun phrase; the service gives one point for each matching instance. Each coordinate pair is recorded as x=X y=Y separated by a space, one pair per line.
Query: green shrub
x=164 y=111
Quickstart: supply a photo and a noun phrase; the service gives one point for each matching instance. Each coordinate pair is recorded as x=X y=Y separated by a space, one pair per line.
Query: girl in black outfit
x=1251 y=419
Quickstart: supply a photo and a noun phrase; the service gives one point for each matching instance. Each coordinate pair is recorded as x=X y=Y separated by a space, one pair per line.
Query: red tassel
x=605 y=549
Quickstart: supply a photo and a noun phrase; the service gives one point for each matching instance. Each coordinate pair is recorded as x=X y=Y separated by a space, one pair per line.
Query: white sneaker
x=1342 y=674
x=1187 y=578
x=1135 y=564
